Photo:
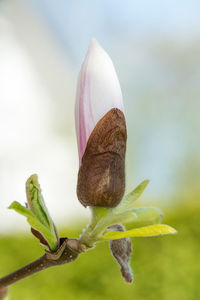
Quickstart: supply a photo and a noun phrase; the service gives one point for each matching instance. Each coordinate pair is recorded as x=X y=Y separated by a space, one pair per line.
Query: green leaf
x=111 y=219
x=145 y=216
x=148 y=231
x=37 y=205
x=127 y=202
x=36 y=224
x=36 y=202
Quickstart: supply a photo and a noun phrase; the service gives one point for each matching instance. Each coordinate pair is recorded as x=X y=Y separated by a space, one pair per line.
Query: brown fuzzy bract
x=121 y=250
x=101 y=177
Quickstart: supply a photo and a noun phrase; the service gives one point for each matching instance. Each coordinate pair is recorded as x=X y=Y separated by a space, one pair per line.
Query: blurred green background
x=155 y=48
x=164 y=267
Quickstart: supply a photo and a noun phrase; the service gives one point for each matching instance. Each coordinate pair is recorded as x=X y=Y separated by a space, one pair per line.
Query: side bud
x=121 y=250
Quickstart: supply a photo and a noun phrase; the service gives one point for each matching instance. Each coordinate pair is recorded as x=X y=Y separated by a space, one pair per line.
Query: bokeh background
x=155 y=47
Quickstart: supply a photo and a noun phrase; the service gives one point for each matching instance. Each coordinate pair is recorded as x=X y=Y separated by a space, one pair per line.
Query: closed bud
x=101 y=131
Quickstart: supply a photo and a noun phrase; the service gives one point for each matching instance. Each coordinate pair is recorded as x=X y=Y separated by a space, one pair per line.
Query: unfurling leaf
x=37 y=215
x=148 y=231
x=36 y=224
x=36 y=202
x=121 y=250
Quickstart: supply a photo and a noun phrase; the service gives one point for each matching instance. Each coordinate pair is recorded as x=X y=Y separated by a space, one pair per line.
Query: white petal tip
x=94 y=46
x=94 y=42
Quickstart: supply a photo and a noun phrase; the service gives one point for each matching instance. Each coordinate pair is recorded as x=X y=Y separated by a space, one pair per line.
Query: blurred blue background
x=155 y=47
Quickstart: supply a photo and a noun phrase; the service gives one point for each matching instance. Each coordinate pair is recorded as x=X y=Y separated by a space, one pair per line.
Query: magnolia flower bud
x=101 y=131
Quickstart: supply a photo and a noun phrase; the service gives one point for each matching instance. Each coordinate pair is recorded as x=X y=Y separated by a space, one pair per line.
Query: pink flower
x=98 y=91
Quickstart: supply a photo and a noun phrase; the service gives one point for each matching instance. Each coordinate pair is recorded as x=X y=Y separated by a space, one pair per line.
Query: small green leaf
x=148 y=231
x=145 y=216
x=112 y=219
x=37 y=205
x=127 y=202
x=36 y=202
x=36 y=224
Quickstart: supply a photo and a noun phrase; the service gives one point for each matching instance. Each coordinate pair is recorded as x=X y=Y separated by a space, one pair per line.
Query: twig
x=3 y=292
x=36 y=266
x=68 y=252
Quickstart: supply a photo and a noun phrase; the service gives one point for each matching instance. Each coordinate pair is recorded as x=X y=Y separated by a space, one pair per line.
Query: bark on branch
x=68 y=252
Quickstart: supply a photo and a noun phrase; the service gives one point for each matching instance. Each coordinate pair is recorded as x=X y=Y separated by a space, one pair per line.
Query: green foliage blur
x=164 y=267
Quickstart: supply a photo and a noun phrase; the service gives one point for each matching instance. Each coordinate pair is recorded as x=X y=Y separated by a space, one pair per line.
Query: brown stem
x=68 y=252
x=3 y=292
x=36 y=266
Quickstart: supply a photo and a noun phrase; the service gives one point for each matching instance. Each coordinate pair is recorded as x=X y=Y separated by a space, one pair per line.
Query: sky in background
x=135 y=34
x=75 y=22
x=155 y=48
